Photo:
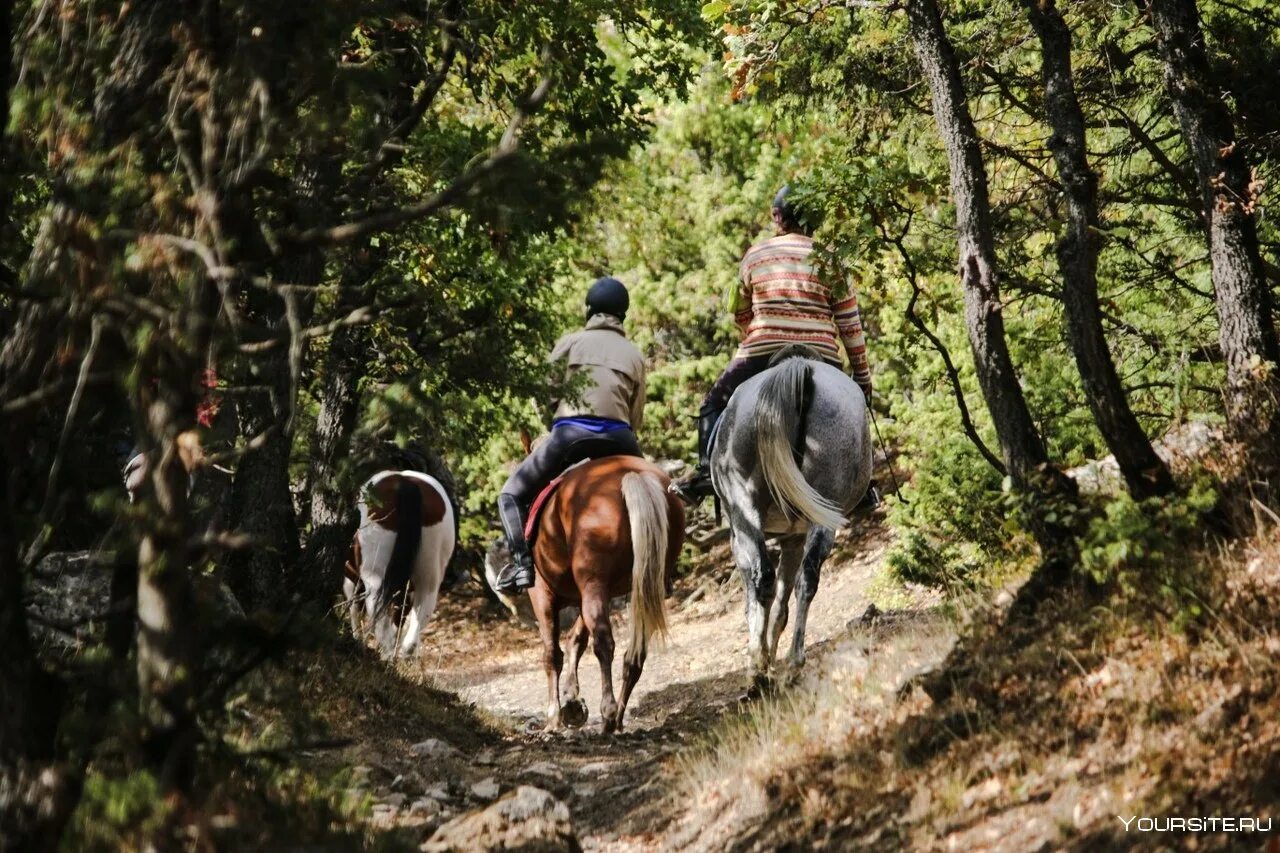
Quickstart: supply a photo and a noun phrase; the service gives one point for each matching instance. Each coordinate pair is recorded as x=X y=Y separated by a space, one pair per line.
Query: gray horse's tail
x=779 y=419
x=646 y=502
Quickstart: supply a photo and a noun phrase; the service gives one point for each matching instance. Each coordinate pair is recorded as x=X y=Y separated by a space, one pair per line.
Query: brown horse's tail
x=646 y=502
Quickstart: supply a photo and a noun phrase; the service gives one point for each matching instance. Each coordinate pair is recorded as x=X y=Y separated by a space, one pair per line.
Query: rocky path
x=620 y=790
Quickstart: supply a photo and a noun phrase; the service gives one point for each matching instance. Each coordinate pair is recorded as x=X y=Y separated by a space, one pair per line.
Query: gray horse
x=792 y=457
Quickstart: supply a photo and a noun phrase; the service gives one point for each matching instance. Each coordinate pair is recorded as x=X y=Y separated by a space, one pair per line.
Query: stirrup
x=694 y=489
x=514 y=578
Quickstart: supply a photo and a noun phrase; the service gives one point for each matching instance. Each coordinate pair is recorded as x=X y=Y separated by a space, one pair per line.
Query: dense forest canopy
x=265 y=243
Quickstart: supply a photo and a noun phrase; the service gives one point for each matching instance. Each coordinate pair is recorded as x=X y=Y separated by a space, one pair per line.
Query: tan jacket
x=616 y=369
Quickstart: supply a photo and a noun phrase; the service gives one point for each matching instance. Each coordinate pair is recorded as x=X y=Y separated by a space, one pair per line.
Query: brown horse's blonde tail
x=646 y=502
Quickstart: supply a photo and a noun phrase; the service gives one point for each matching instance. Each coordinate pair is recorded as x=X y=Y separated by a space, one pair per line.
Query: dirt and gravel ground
x=618 y=787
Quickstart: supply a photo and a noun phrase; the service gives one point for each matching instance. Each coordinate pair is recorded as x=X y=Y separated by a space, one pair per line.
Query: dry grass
x=1118 y=707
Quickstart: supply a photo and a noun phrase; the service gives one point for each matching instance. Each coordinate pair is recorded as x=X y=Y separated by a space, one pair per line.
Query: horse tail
x=404 y=553
x=646 y=502
x=779 y=428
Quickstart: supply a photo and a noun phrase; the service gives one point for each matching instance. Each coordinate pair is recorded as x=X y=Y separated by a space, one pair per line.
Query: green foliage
x=117 y=812
x=1136 y=542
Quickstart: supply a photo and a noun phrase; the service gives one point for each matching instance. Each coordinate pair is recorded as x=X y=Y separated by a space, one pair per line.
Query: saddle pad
x=544 y=496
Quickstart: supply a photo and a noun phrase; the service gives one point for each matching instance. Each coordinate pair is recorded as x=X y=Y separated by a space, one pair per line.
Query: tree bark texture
x=1229 y=192
x=1021 y=445
x=261 y=504
x=267 y=575
x=333 y=513
x=168 y=647
x=1144 y=471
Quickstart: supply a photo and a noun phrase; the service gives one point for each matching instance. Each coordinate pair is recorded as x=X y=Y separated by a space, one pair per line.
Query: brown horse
x=610 y=529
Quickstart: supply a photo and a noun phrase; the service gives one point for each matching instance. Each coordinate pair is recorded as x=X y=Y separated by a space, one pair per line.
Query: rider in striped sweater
x=781 y=300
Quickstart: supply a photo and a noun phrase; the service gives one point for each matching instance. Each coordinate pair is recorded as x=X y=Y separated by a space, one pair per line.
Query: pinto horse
x=609 y=529
x=406 y=536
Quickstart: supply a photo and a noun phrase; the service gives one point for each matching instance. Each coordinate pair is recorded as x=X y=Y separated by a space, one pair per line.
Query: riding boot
x=696 y=486
x=517 y=575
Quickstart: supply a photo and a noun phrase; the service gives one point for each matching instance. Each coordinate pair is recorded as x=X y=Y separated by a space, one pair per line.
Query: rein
x=897 y=492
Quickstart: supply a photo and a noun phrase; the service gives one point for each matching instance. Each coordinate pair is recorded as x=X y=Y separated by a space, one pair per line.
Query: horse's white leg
x=428 y=574
x=577 y=642
x=383 y=628
x=353 y=605
x=758 y=580
x=545 y=611
x=816 y=548
x=788 y=565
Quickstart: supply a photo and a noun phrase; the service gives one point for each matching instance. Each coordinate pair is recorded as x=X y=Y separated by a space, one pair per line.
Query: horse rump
x=404 y=553
x=779 y=429
x=646 y=502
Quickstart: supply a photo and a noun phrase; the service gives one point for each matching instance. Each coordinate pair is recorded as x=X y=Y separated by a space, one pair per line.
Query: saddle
x=535 y=511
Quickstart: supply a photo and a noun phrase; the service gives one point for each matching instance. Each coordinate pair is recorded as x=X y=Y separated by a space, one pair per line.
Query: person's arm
x=740 y=299
x=559 y=353
x=849 y=324
x=637 y=402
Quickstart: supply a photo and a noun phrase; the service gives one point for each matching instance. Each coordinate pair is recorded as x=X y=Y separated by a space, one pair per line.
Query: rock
x=545 y=769
x=486 y=789
x=393 y=801
x=526 y=819
x=439 y=791
x=484 y=758
x=598 y=768
x=434 y=748
x=425 y=807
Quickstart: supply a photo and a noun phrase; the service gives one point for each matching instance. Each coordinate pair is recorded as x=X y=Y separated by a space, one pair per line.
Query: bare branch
x=378 y=222
x=966 y=420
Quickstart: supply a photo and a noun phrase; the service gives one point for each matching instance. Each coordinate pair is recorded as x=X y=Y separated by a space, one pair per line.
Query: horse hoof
x=761 y=686
x=574 y=713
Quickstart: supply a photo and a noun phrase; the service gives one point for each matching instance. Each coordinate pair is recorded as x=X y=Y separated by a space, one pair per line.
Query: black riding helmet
x=608 y=296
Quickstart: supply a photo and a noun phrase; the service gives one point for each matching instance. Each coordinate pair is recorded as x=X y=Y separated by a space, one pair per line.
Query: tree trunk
x=1021 y=446
x=266 y=575
x=168 y=648
x=1229 y=192
x=261 y=505
x=169 y=652
x=333 y=515
x=1144 y=471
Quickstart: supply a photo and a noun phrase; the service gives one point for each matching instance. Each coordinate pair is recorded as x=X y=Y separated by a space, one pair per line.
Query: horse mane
x=404 y=553
x=794 y=351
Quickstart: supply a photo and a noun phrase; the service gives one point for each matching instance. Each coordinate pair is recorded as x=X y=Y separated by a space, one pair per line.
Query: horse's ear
x=526 y=441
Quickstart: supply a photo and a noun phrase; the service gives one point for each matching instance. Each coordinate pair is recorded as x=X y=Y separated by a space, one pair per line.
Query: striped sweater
x=781 y=300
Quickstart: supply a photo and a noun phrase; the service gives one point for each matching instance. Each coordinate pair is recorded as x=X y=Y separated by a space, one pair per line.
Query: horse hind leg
x=759 y=580
x=788 y=566
x=572 y=709
x=817 y=546
x=632 y=666
x=428 y=574
x=595 y=614
x=351 y=595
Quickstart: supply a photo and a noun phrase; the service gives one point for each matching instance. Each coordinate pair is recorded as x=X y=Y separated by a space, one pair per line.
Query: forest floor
x=623 y=791
x=1124 y=706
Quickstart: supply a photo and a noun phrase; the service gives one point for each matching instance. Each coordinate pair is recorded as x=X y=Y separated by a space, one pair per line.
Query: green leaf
x=715 y=10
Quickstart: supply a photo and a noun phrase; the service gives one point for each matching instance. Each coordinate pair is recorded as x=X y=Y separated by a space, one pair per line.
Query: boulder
x=434 y=748
x=528 y=819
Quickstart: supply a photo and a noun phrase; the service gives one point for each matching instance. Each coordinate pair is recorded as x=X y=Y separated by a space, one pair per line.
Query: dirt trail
x=616 y=786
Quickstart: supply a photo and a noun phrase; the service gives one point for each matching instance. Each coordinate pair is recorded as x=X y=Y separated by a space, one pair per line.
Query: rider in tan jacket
x=599 y=419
